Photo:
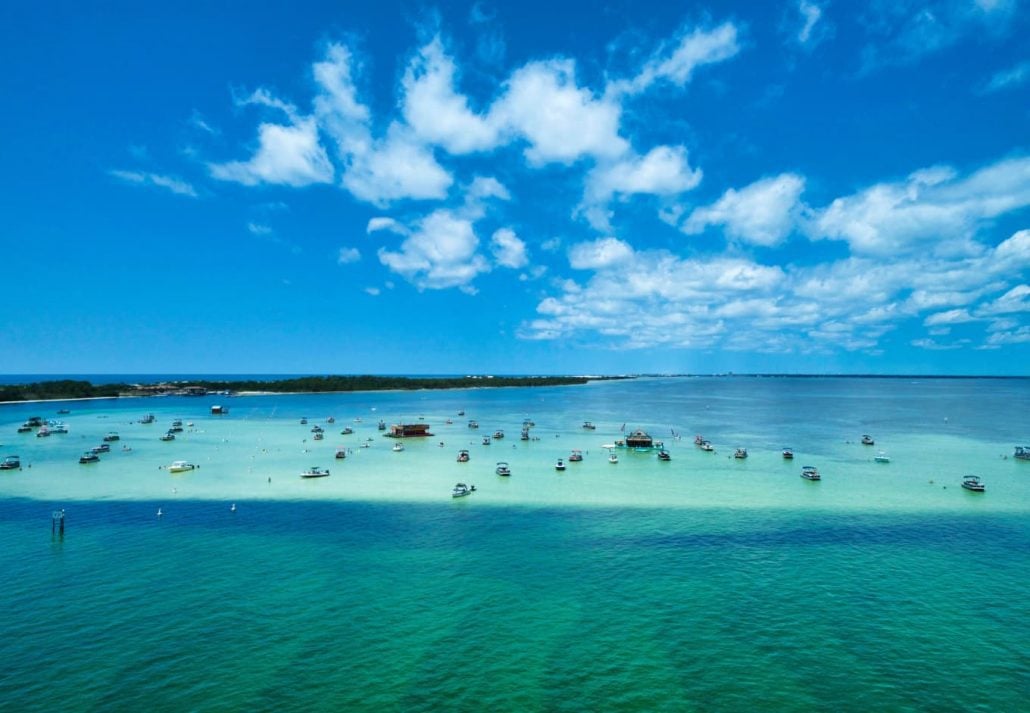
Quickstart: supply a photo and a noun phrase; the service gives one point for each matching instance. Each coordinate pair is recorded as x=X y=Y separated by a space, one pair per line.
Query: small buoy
x=159 y=513
x=232 y=508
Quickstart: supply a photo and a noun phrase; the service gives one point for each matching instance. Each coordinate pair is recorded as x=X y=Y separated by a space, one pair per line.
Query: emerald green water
x=705 y=583
x=290 y=606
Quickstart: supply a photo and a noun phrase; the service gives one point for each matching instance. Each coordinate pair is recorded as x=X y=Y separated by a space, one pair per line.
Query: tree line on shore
x=72 y=389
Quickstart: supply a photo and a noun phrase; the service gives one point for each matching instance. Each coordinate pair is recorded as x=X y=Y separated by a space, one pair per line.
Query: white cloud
x=383 y=223
x=1014 y=301
x=952 y=316
x=599 y=254
x=1011 y=77
x=508 y=249
x=170 y=183
x=259 y=229
x=347 y=256
x=692 y=49
x=763 y=213
x=663 y=171
x=931 y=207
x=374 y=291
x=289 y=155
x=561 y=121
x=435 y=111
x=810 y=13
x=399 y=167
x=440 y=253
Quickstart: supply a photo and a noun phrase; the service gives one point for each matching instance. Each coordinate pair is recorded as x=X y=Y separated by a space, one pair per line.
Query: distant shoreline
x=74 y=390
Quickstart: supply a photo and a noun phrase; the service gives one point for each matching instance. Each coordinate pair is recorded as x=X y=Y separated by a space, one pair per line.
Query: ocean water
x=705 y=583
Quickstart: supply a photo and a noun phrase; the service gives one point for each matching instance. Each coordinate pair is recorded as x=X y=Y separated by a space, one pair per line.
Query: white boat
x=589 y=426
x=788 y=454
x=560 y=465
x=315 y=472
x=809 y=472
x=867 y=440
x=576 y=456
x=89 y=457
x=882 y=457
x=341 y=453
x=740 y=453
x=498 y=434
x=461 y=490
x=1022 y=453
x=973 y=482
x=663 y=455
x=612 y=458
x=398 y=447
x=503 y=469
x=10 y=463
x=706 y=446
x=463 y=456
x=486 y=440
x=169 y=436
x=180 y=466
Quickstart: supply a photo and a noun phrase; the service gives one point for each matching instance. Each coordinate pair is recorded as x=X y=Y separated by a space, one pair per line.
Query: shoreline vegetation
x=69 y=389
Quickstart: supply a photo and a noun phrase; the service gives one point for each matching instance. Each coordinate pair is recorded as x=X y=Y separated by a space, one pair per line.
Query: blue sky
x=339 y=187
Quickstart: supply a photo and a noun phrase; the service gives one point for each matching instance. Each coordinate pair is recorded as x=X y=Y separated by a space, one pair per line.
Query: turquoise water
x=725 y=585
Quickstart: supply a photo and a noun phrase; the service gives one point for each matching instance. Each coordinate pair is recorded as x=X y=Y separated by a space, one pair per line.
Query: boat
x=498 y=434
x=973 y=482
x=788 y=454
x=180 y=466
x=486 y=440
x=463 y=456
x=331 y=419
x=612 y=458
x=43 y=432
x=882 y=457
x=381 y=425
x=341 y=453
x=58 y=427
x=24 y=428
x=398 y=447
x=867 y=440
x=576 y=456
x=169 y=436
x=809 y=472
x=89 y=457
x=10 y=463
x=346 y=431
x=473 y=424
x=502 y=468
x=318 y=436
x=461 y=490
x=176 y=428
x=303 y=422
x=177 y=423
x=525 y=435
x=706 y=446
x=219 y=410
x=409 y=430
x=317 y=429
x=102 y=448
x=315 y=472
x=1022 y=453
x=63 y=411
x=560 y=465
x=664 y=455
x=699 y=439
x=589 y=426
x=34 y=421
x=740 y=453
x=149 y=418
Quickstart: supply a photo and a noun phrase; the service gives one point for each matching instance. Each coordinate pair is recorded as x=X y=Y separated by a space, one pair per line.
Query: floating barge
x=409 y=430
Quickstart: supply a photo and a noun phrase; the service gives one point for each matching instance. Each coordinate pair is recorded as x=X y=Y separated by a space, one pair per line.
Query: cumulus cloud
x=347 y=256
x=508 y=249
x=930 y=207
x=598 y=254
x=434 y=109
x=145 y=178
x=384 y=223
x=663 y=171
x=561 y=121
x=440 y=253
x=289 y=155
x=763 y=213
